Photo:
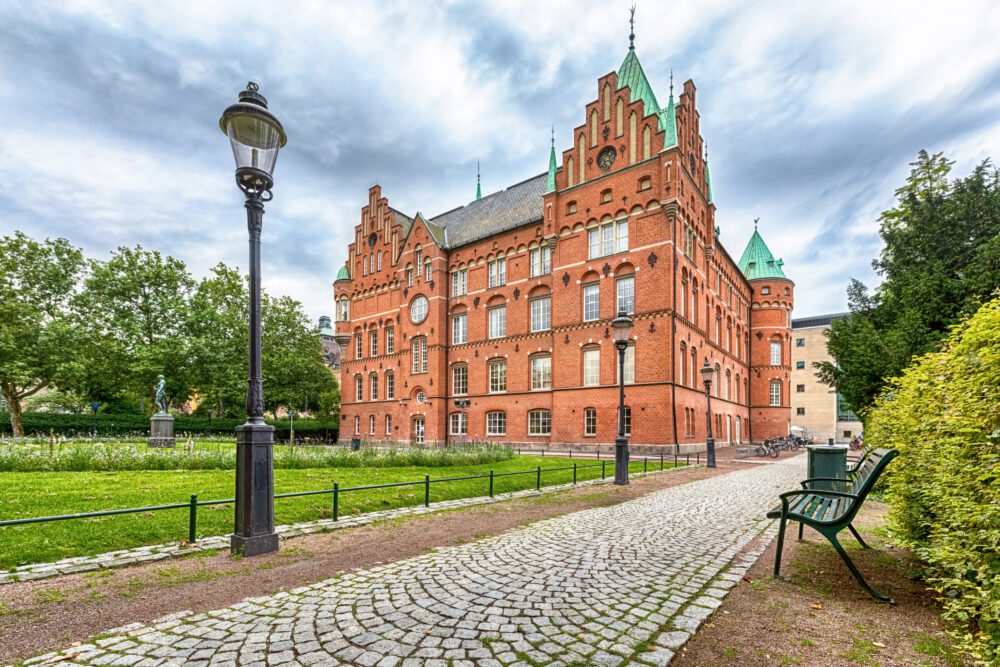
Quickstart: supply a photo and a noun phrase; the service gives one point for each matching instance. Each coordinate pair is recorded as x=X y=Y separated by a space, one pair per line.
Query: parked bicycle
x=766 y=449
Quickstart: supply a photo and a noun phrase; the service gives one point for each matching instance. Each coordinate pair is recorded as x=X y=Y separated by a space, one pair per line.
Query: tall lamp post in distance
x=623 y=331
x=256 y=136
x=706 y=374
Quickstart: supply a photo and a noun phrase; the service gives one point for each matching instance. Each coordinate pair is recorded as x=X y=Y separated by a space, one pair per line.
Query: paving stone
x=584 y=587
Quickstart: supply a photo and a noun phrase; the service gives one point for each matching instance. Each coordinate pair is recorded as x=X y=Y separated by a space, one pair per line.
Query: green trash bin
x=827 y=461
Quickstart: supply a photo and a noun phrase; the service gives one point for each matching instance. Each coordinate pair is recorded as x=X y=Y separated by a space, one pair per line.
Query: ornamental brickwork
x=492 y=321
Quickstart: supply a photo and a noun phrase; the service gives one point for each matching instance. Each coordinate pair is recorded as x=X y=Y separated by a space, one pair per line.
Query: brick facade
x=645 y=189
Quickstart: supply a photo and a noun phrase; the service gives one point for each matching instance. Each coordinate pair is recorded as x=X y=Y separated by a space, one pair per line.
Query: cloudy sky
x=812 y=111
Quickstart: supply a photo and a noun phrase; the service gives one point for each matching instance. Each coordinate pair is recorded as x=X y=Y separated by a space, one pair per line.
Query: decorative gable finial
x=631 y=25
x=479 y=190
x=755 y=223
x=671 y=82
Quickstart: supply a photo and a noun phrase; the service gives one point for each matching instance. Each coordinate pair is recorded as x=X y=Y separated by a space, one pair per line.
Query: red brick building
x=492 y=321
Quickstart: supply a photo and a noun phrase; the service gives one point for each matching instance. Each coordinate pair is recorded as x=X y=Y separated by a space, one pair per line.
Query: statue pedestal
x=161 y=431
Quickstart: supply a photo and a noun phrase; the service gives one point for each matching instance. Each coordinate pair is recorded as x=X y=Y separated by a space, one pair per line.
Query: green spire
x=668 y=118
x=343 y=274
x=708 y=177
x=479 y=189
x=550 y=182
x=757 y=260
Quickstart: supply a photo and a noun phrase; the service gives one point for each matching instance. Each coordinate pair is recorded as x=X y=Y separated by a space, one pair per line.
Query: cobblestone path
x=611 y=586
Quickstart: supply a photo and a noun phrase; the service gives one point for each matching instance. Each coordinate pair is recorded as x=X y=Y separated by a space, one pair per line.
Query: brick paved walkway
x=612 y=586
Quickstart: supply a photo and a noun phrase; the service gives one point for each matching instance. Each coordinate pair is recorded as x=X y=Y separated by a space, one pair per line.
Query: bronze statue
x=161 y=396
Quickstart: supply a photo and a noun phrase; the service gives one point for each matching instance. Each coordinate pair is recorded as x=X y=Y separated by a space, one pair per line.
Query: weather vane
x=631 y=25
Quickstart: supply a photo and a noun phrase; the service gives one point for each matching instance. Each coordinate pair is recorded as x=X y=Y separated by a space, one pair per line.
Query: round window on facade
x=418 y=309
x=421 y=397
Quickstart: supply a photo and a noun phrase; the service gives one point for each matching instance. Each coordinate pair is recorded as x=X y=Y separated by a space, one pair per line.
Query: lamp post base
x=254 y=531
x=621 y=461
x=710 y=452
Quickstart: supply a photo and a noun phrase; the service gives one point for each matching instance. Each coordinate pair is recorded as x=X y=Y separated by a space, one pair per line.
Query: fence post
x=427 y=490
x=698 y=459
x=491 y=484
x=603 y=463
x=688 y=462
x=193 y=520
x=538 y=479
x=598 y=453
x=574 y=473
x=571 y=452
x=336 y=501
x=645 y=465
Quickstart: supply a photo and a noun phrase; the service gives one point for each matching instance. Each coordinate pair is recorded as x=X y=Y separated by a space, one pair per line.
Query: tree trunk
x=14 y=406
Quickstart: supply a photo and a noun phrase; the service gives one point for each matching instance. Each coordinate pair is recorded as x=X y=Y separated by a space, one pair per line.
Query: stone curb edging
x=156 y=552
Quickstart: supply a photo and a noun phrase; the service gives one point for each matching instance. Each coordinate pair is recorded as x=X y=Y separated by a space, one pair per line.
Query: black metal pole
x=621 y=443
x=254 y=531
x=709 y=440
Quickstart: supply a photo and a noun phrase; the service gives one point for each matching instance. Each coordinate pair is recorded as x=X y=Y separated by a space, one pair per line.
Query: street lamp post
x=623 y=330
x=706 y=374
x=256 y=136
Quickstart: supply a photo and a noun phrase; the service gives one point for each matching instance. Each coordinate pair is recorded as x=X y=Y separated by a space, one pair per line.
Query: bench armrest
x=842 y=480
x=814 y=492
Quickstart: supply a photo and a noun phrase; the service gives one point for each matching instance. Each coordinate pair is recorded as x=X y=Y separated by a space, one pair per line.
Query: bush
x=36 y=455
x=45 y=423
x=943 y=415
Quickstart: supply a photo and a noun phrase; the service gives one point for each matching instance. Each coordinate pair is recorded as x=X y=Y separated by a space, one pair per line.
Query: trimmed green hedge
x=44 y=423
x=943 y=415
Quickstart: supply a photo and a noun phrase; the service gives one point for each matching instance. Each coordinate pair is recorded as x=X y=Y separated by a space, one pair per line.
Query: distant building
x=326 y=334
x=815 y=406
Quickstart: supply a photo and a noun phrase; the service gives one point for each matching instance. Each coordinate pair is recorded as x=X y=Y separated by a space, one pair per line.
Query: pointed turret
x=668 y=119
x=550 y=182
x=479 y=189
x=757 y=261
x=708 y=178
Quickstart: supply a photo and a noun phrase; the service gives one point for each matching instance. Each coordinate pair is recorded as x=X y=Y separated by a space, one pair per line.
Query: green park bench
x=831 y=510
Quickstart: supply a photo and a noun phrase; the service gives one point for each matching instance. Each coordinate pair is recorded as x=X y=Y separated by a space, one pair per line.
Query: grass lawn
x=51 y=493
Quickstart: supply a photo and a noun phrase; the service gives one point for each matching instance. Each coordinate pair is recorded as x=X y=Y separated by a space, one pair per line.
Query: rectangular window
x=427 y=270
x=594 y=243
x=458 y=282
x=591 y=367
x=388 y=424
x=621 y=235
x=459 y=423
x=373 y=381
x=590 y=422
x=591 y=302
x=496 y=423
x=371 y=424
x=357 y=346
x=498 y=321
x=800 y=342
x=498 y=376
x=800 y=411
x=357 y=426
x=409 y=276
x=497 y=272
x=460 y=379
x=419 y=352
x=800 y=388
x=390 y=385
x=626 y=295
x=541 y=261
x=775 y=393
x=628 y=421
x=800 y=365
x=541 y=314
x=541 y=372
x=539 y=422
x=359 y=389
x=629 y=365
x=459 y=329
x=609 y=238
x=390 y=340
x=373 y=343
x=775 y=353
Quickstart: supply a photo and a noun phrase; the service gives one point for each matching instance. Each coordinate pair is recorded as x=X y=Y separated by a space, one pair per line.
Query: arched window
x=606 y=102
x=718 y=326
x=582 y=159
x=775 y=351
x=570 y=173
x=684 y=289
x=427 y=270
x=344 y=310
x=364 y=262
x=418 y=257
x=694 y=301
x=694 y=366
x=718 y=380
x=388 y=425
x=727 y=388
x=378 y=257
x=373 y=386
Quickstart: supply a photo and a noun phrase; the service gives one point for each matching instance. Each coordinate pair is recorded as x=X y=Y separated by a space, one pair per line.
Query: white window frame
x=463 y=388
x=358 y=346
x=459 y=426
x=373 y=386
x=591 y=302
x=371 y=424
x=459 y=329
x=541 y=261
x=373 y=343
x=344 y=312
x=541 y=313
x=608 y=238
x=628 y=421
x=418 y=351
x=357 y=424
x=496 y=423
x=390 y=385
x=497 y=320
x=539 y=423
x=775 y=352
x=388 y=425
x=625 y=296
x=541 y=372
x=774 y=394
x=592 y=376
x=497 y=270
x=359 y=388
x=590 y=422
x=409 y=276
x=428 y=271
x=459 y=282
x=390 y=340
x=629 y=365
x=497 y=376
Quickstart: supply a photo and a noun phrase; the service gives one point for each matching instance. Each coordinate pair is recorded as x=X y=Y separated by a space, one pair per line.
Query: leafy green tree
x=136 y=305
x=941 y=260
x=293 y=368
x=38 y=337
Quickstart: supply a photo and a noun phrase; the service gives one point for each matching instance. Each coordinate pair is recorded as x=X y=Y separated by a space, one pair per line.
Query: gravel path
x=625 y=584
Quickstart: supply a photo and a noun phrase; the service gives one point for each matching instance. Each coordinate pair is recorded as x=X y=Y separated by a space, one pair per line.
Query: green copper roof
x=757 y=260
x=343 y=274
x=708 y=182
x=630 y=74
x=550 y=182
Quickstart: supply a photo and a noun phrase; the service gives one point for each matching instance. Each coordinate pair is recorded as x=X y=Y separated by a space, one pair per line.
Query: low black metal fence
x=193 y=504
